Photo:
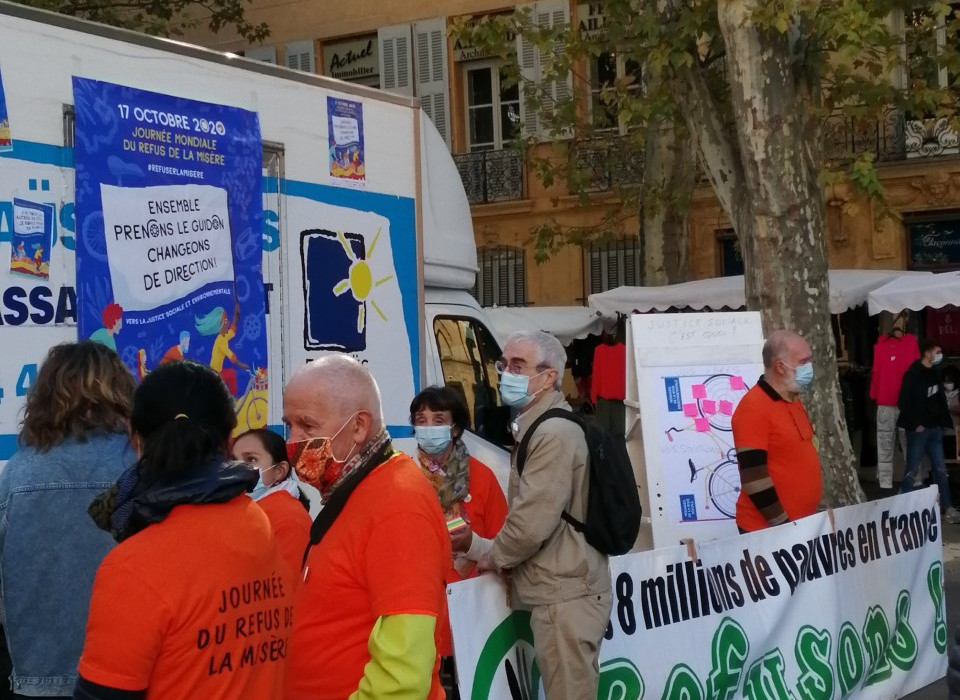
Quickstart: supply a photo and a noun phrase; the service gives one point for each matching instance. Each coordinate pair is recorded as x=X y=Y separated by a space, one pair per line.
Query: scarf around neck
x=450 y=479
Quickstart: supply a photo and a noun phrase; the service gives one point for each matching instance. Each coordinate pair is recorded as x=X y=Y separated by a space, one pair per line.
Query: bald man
x=780 y=474
x=366 y=614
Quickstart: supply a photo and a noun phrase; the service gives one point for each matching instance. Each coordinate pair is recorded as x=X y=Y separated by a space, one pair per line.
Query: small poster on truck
x=345 y=125
x=6 y=140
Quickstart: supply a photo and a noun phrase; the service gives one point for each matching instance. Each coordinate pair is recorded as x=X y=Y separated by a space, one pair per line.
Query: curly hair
x=81 y=389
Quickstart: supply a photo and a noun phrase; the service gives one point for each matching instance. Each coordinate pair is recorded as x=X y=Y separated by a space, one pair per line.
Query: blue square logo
x=688 y=507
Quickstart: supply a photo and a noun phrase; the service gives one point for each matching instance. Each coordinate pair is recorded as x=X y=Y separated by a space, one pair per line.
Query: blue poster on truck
x=348 y=164
x=169 y=214
x=6 y=140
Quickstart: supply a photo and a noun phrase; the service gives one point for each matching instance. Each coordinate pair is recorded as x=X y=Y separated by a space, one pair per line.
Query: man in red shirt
x=779 y=466
x=372 y=588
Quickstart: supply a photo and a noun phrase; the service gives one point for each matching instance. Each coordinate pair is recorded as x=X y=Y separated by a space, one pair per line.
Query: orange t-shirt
x=386 y=554
x=486 y=510
x=196 y=606
x=291 y=527
x=765 y=421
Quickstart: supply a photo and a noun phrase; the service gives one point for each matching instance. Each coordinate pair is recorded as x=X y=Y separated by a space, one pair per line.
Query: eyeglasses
x=516 y=366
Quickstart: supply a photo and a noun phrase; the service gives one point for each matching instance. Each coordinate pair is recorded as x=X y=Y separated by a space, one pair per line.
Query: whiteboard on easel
x=692 y=370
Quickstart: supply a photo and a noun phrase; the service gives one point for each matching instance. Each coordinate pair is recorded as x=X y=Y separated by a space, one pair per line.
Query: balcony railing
x=895 y=136
x=491 y=176
x=606 y=164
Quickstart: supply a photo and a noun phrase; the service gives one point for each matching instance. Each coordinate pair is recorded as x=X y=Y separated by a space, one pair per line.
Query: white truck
x=401 y=240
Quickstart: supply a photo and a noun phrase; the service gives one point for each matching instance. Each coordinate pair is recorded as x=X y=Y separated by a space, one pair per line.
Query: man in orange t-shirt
x=780 y=473
x=199 y=605
x=372 y=591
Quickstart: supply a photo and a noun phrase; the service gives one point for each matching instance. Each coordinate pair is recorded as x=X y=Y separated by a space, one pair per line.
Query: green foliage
x=863 y=65
x=162 y=17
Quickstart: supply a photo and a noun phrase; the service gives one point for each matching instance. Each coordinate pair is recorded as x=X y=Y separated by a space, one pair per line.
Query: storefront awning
x=916 y=292
x=566 y=323
x=848 y=289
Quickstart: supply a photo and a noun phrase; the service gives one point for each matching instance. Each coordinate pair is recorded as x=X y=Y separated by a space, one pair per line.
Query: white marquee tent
x=566 y=323
x=848 y=289
x=916 y=292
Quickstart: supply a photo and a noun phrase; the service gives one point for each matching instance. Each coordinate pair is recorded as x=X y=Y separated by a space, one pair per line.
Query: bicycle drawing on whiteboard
x=710 y=414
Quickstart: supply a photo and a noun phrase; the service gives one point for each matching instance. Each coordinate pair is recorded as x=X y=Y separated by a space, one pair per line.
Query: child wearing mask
x=277 y=492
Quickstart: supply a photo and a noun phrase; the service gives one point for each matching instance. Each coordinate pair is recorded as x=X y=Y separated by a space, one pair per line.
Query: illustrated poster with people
x=169 y=214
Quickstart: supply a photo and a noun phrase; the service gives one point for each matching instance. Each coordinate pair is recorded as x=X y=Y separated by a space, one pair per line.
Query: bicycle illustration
x=711 y=413
x=252 y=405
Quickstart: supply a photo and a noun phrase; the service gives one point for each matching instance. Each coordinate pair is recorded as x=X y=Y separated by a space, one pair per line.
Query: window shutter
x=300 y=56
x=432 y=73
x=593 y=270
x=529 y=60
x=264 y=54
x=550 y=14
x=396 y=59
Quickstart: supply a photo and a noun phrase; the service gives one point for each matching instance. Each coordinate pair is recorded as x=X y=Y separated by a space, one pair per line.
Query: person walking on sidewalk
x=924 y=415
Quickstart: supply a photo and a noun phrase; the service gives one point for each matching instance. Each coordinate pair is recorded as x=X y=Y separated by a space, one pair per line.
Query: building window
x=502 y=278
x=607 y=71
x=731 y=257
x=493 y=108
x=925 y=33
x=614 y=264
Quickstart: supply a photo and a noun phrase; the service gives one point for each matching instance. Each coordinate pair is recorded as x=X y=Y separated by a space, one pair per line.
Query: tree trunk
x=668 y=181
x=780 y=221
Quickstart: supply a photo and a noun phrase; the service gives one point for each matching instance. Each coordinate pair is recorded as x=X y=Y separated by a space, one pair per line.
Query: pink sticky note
x=709 y=407
x=702 y=425
x=690 y=410
x=736 y=383
x=699 y=391
x=726 y=408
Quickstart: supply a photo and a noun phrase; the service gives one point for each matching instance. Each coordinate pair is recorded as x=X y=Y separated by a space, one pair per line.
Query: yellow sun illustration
x=359 y=280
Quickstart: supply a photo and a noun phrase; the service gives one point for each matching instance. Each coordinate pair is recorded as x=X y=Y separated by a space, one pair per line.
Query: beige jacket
x=550 y=561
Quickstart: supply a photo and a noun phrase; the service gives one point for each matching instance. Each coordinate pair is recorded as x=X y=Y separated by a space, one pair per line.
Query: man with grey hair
x=555 y=571
x=372 y=590
x=780 y=473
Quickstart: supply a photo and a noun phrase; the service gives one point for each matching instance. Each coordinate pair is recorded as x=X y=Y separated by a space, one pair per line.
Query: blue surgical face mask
x=938 y=358
x=515 y=389
x=260 y=490
x=433 y=439
x=804 y=375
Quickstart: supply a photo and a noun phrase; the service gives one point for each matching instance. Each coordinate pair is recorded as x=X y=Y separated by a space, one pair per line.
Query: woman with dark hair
x=73 y=444
x=471 y=498
x=194 y=602
x=277 y=492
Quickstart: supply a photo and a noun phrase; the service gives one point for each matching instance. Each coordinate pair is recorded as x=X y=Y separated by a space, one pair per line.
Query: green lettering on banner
x=766 y=680
x=876 y=635
x=515 y=628
x=728 y=651
x=904 y=646
x=850 y=664
x=682 y=684
x=812 y=650
x=935 y=586
x=620 y=680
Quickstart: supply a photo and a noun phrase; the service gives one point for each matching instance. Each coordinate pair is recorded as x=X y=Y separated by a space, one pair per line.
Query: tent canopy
x=566 y=323
x=916 y=292
x=848 y=289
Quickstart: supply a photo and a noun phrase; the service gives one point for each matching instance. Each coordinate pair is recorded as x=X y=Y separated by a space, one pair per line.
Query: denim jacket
x=50 y=550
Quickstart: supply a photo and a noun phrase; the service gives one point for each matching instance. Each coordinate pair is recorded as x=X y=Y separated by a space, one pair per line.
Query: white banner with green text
x=843 y=604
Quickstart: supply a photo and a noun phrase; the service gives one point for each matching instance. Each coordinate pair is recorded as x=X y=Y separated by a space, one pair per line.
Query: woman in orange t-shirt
x=276 y=492
x=470 y=495
x=195 y=601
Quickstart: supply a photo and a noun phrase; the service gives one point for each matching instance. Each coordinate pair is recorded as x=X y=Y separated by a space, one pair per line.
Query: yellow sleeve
x=403 y=657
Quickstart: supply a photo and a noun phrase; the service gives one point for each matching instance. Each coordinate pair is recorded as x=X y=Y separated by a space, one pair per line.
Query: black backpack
x=613 y=501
